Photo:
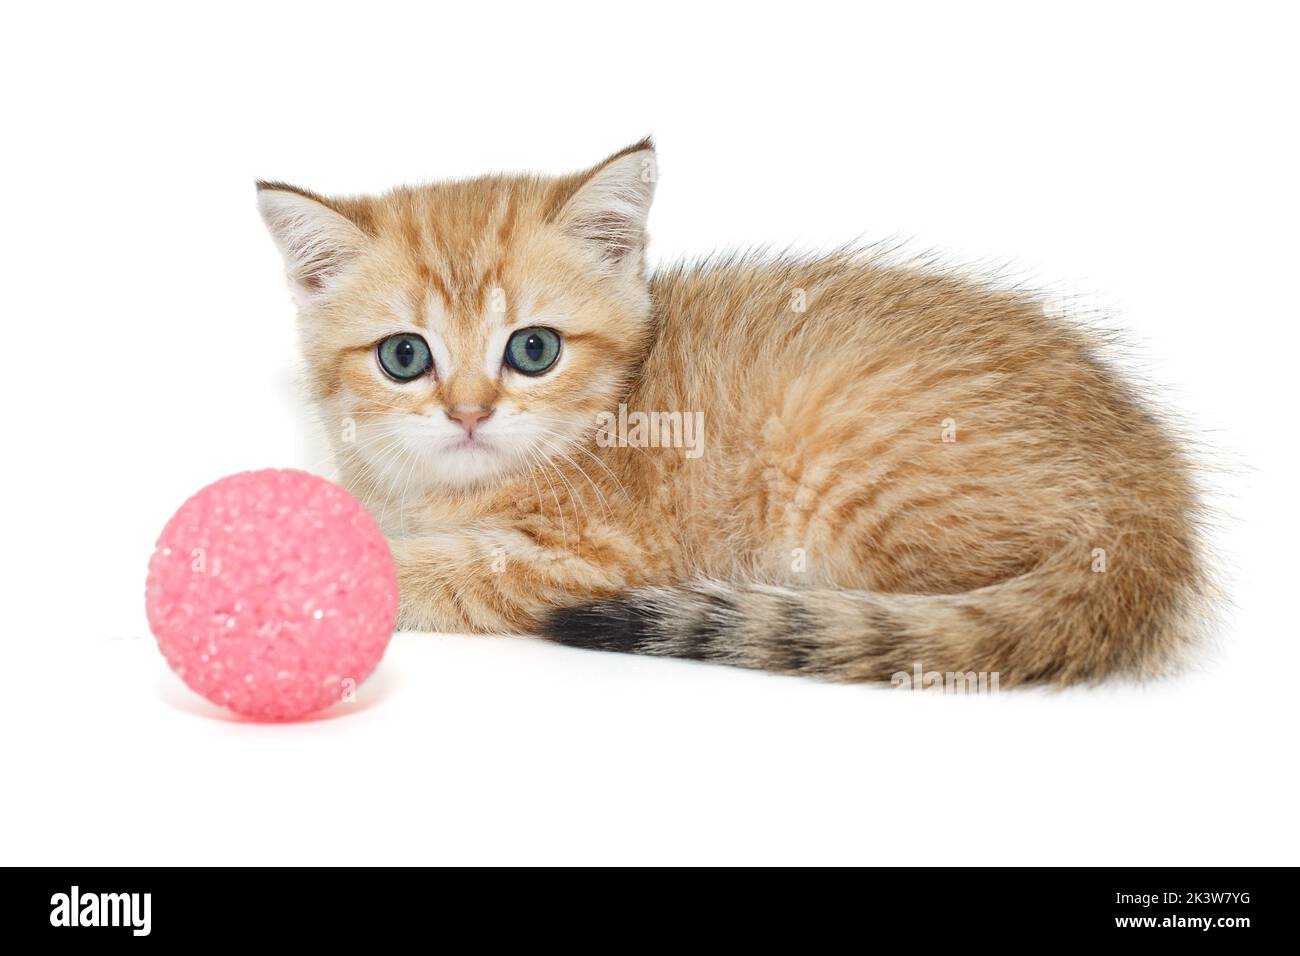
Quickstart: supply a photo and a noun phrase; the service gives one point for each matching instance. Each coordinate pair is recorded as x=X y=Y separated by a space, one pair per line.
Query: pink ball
x=272 y=593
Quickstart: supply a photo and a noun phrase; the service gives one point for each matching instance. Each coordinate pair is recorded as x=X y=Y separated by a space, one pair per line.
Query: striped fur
x=902 y=467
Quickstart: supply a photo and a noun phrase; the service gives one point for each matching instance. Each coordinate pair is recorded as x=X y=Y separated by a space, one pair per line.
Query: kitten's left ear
x=317 y=241
x=610 y=207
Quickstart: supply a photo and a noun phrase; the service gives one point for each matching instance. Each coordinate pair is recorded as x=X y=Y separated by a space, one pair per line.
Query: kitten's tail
x=1068 y=620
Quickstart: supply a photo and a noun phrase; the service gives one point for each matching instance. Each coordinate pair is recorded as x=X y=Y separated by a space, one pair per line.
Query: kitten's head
x=457 y=333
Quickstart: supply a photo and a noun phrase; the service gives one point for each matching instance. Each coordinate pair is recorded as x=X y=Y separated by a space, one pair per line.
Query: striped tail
x=1060 y=623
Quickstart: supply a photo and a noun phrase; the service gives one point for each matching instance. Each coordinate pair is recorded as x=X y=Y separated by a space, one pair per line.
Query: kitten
x=888 y=469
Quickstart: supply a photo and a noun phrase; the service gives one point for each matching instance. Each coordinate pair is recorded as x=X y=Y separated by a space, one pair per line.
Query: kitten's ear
x=609 y=209
x=316 y=241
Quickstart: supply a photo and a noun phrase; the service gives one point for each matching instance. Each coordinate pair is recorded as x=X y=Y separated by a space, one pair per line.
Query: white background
x=1141 y=158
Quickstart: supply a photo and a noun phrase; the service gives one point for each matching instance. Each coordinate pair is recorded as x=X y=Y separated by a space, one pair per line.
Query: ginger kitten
x=832 y=467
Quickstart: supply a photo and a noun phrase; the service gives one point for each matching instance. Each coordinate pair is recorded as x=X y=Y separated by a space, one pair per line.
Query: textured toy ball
x=272 y=593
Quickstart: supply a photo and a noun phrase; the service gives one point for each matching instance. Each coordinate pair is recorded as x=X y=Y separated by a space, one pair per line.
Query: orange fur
x=899 y=467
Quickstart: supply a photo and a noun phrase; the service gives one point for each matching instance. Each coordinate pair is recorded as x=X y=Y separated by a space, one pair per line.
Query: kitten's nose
x=469 y=417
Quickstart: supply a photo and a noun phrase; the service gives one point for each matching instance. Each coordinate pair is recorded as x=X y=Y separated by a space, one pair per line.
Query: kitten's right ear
x=317 y=242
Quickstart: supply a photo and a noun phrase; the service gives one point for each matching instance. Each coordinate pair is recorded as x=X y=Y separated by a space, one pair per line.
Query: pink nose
x=469 y=418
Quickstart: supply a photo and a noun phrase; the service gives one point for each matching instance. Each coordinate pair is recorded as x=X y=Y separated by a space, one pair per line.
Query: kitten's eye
x=404 y=356
x=533 y=351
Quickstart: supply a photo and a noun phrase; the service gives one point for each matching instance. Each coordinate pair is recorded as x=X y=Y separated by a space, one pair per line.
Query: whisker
x=558 y=450
x=542 y=465
x=572 y=500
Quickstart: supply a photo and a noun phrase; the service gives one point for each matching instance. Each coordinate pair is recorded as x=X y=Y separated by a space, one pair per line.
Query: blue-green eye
x=404 y=356
x=533 y=351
